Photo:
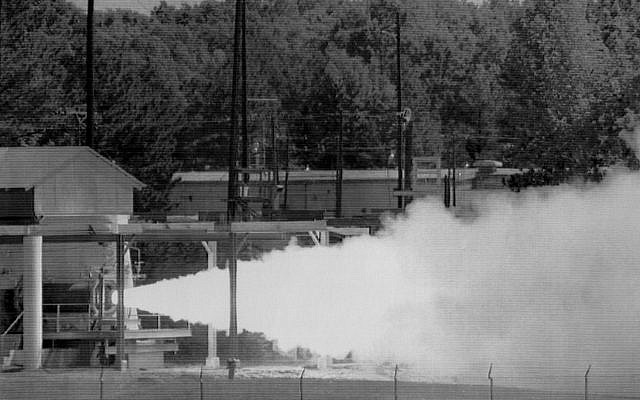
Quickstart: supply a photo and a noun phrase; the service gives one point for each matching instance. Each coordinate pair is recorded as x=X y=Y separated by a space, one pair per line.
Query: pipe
x=32 y=319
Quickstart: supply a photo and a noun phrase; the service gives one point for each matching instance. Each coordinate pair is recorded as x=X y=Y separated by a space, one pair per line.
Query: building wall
x=364 y=194
x=193 y=197
x=71 y=193
x=358 y=196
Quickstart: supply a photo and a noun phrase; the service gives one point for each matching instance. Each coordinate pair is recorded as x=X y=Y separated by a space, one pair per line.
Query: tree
x=555 y=64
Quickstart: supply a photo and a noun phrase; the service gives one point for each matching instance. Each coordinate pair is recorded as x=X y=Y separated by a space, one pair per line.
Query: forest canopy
x=544 y=84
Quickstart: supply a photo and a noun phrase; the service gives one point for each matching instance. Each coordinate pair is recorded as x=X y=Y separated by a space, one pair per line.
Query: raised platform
x=128 y=334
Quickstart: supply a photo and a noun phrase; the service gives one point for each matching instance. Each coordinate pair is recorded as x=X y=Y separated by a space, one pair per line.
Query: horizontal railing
x=156 y=322
x=67 y=312
x=81 y=314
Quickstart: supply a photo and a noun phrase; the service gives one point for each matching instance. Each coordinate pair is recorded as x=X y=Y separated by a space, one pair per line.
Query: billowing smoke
x=545 y=278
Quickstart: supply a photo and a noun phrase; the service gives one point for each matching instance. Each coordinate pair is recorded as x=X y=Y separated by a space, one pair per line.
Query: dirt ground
x=250 y=383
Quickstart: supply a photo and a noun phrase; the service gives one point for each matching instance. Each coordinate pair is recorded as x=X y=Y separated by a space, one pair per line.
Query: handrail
x=13 y=323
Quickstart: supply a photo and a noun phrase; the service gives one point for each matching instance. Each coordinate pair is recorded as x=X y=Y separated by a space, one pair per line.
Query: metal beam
x=197 y=232
x=278 y=226
x=350 y=231
x=138 y=228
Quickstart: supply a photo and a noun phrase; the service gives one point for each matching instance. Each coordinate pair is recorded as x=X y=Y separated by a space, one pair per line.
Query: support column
x=324 y=238
x=32 y=300
x=212 y=360
x=233 y=312
x=121 y=362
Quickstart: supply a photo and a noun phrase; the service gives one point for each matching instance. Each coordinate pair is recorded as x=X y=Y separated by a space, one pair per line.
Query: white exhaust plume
x=546 y=278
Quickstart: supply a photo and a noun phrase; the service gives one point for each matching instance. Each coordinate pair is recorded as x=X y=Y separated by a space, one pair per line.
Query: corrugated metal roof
x=30 y=166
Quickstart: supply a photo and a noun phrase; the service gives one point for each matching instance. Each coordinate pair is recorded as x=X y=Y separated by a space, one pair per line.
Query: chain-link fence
x=339 y=381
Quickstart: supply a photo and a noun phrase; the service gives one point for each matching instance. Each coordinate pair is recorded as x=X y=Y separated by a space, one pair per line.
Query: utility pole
x=233 y=171
x=88 y=140
x=245 y=135
x=399 y=110
x=233 y=148
x=339 y=169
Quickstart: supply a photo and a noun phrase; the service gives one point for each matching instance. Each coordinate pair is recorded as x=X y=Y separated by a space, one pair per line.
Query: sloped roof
x=30 y=166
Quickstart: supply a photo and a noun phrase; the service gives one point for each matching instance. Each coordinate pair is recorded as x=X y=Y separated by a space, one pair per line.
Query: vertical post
x=102 y=296
x=57 y=317
x=339 y=169
x=274 y=153
x=233 y=312
x=212 y=360
x=453 y=182
x=395 y=383
x=233 y=148
x=120 y=359
x=101 y=380
x=88 y=141
x=447 y=191
x=286 y=173
x=32 y=300
x=586 y=383
x=408 y=158
x=158 y=320
x=300 y=385
x=490 y=382
x=449 y=176
x=399 y=109
x=201 y=385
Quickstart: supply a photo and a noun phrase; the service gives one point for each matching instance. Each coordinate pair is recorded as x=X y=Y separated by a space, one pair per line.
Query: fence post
x=586 y=383
x=301 y=378
x=201 y=386
x=57 y=318
x=101 y=380
x=490 y=381
x=395 y=383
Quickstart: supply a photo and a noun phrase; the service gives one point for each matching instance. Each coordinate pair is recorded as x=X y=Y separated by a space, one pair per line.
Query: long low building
x=364 y=192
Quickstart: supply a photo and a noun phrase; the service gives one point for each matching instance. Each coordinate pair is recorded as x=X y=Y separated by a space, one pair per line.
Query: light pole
x=399 y=136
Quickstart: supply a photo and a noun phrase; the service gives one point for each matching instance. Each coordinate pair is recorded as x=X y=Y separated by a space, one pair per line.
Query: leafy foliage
x=538 y=83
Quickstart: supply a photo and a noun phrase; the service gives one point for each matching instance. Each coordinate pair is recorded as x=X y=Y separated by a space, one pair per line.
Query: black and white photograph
x=320 y=199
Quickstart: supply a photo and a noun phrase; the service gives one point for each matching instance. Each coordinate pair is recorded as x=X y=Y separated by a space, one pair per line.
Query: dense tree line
x=548 y=84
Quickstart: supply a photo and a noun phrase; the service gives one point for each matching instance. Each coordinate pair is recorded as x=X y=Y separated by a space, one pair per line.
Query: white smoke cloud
x=545 y=278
